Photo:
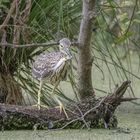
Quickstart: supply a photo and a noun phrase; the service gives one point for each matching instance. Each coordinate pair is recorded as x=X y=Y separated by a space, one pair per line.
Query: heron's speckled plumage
x=51 y=66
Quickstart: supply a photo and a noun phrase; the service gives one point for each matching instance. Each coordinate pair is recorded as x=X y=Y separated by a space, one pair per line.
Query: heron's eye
x=61 y=46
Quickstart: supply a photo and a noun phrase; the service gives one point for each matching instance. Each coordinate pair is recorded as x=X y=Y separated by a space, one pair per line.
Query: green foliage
x=116 y=34
x=48 y=20
x=51 y=20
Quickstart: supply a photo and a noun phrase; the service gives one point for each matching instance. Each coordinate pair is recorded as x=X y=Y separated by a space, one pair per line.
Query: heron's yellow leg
x=61 y=106
x=39 y=96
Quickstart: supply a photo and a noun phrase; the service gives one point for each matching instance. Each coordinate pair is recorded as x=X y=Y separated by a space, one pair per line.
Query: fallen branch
x=90 y=113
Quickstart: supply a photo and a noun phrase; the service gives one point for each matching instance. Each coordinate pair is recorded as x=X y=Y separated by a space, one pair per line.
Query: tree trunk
x=10 y=92
x=85 y=59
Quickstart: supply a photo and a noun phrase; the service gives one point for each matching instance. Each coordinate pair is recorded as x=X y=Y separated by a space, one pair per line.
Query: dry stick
x=94 y=108
x=29 y=45
x=35 y=45
x=20 y=19
x=8 y=15
x=68 y=123
x=26 y=12
x=82 y=117
x=17 y=29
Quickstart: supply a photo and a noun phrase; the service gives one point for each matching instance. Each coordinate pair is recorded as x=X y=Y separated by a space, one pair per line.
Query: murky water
x=129 y=130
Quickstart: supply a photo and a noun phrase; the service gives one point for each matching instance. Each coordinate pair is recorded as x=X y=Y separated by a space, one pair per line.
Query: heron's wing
x=45 y=63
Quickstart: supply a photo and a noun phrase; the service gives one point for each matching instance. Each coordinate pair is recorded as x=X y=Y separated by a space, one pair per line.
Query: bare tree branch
x=48 y=44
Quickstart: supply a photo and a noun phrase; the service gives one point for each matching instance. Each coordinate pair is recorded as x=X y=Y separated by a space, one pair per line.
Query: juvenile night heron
x=53 y=68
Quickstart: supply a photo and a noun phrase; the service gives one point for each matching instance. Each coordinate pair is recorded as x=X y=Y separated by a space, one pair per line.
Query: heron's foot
x=62 y=108
x=39 y=106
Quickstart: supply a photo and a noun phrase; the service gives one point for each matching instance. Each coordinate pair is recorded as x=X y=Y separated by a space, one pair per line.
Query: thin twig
x=8 y=15
x=95 y=106
x=82 y=117
x=35 y=44
x=28 y=45
x=68 y=123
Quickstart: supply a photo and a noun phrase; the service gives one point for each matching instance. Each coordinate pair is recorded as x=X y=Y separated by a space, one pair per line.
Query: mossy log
x=91 y=113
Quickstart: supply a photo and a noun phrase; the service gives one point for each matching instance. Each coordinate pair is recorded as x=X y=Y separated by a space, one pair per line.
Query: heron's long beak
x=68 y=53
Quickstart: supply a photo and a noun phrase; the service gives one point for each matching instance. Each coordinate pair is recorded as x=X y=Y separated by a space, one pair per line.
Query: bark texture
x=91 y=113
x=85 y=58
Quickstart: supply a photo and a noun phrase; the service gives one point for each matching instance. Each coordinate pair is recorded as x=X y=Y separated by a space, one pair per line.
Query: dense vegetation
x=115 y=26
